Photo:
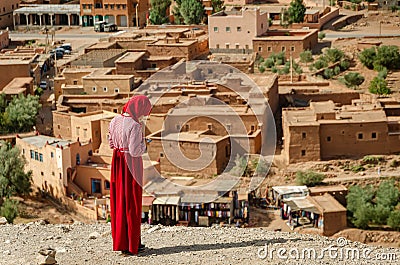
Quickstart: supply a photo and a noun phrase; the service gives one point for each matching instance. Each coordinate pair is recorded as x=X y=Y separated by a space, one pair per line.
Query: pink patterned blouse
x=126 y=135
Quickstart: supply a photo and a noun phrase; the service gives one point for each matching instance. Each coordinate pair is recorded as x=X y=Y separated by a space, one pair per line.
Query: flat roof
x=306 y=34
x=130 y=57
x=182 y=42
x=41 y=140
x=331 y=188
x=282 y=190
x=96 y=116
x=19 y=82
x=47 y=8
x=327 y=203
x=193 y=137
x=301 y=203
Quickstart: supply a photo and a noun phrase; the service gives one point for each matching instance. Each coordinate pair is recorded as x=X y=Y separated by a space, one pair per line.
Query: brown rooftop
x=327 y=203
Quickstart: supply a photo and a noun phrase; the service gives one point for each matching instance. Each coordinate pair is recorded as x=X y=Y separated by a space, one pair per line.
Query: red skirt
x=126 y=201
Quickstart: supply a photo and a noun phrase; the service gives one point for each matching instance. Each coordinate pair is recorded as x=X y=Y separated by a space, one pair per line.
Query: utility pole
x=291 y=68
x=137 y=17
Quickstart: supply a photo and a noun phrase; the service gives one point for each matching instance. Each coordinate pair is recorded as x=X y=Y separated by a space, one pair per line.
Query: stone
x=48 y=252
x=94 y=235
x=7 y=252
x=3 y=221
x=45 y=260
x=154 y=228
x=7 y=242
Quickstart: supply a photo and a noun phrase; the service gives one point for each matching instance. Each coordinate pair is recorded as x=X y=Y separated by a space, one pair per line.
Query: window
x=360 y=136
x=303 y=135
x=96 y=186
x=106 y=6
x=239 y=29
x=115 y=110
x=178 y=127
x=228 y=29
x=41 y=157
x=84 y=133
x=59 y=126
x=252 y=128
x=209 y=126
x=215 y=29
x=124 y=7
x=90 y=152
x=303 y=152
x=36 y=156
x=52 y=155
x=292 y=48
x=227 y=45
x=283 y=48
x=116 y=90
x=32 y=154
x=259 y=48
x=217 y=46
x=118 y=6
x=105 y=89
x=94 y=89
x=60 y=176
x=269 y=48
x=187 y=127
x=75 y=82
x=78 y=159
x=77 y=131
x=23 y=151
x=106 y=185
x=52 y=173
x=228 y=127
x=112 y=6
x=161 y=154
x=153 y=65
x=328 y=139
x=237 y=46
x=373 y=135
x=262 y=25
x=247 y=46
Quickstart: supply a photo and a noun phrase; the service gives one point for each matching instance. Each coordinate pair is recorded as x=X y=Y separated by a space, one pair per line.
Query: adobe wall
x=343 y=98
x=85 y=174
x=334 y=222
x=299 y=148
x=62 y=125
x=13 y=71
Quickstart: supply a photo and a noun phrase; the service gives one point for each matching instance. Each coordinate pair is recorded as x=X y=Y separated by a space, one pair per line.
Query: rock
x=154 y=228
x=61 y=250
x=94 y=235
x=7 y=252
x=7 y=242
x=3 y=221
x=48 y=252
x=44 y=260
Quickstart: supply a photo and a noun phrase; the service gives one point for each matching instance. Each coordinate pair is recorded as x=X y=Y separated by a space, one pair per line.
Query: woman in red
x=126 y=138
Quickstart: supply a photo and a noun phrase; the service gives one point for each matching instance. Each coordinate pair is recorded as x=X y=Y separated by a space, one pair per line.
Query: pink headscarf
x=137 y=106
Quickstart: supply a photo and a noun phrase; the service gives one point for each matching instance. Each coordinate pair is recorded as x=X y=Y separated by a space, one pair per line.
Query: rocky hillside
x=80 y=243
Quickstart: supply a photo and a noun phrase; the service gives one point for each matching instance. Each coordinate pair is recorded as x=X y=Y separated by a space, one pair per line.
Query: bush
x=309 y=178
x=9 y=210
x=319 y=64
x=269 y=62
x=357 y=168
x=353 y=79
x=344 y=65
x=328 y=73
x=372 y=160
x=379 y=86
x=274 y=69
x=394 y=163
x=38 y=91
x=333 y=55
x=367 y=57
x=387 y=56
x=321 y=35
x=261 y=69
x=306 y=56
x=383 y=73
x=336 y=70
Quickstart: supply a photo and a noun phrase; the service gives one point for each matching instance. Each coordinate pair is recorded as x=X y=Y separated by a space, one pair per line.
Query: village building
x=125 y=13
x=6 y=12
x=4 y=39
x=47 y=15
x=326 y=131
x=226 y=29
x=51 y=160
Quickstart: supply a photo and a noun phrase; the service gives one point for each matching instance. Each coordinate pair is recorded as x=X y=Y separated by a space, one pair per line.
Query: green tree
x=22 y=112
x=344 y=65
x=328 y=73
x=362 y=217
x=284 y=18
x=9 y=210
x=309 y=178
x=296 y=11
x=158 y=11
x=13 y=179
x=359 y=203
x=306 y=56
x=367 y=57
x=379 y=86
x=192 y=11
x=394 y=220
x=353 y=79
x=380 y=214
x=217 y=5
x=387 y=194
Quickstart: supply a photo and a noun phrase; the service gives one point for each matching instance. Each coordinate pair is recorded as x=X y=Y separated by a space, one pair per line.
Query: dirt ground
x=371 y=237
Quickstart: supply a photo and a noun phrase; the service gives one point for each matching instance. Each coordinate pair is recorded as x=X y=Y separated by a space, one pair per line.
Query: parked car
x=66 y=46
x=99 y=26
x=43 y=85
x=111 y=27
x=56 y=54
x=60 y=50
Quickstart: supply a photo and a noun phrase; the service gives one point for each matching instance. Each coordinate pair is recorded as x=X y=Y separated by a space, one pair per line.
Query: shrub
x=280 y=62
x=394 y=163
x=336 y=70
x=379 y=86
x=333 y=55
x=274 y=69
x=328 y=73
x=353 y=79
x=357 y=168
x=383 y=73
x=269 y=62
x=261 y=69
x=321 y=35
x=372 y=160
x=9 y=210
x=387 y=56
x=344 y=65
x=309 y=178
x=306 y=56
x=319 y=64
x=367 y=57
